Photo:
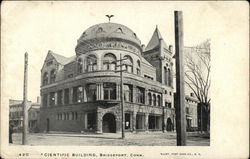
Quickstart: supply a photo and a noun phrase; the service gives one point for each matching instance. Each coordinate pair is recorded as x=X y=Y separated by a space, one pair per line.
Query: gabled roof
x=155 y=40
x=59 y=58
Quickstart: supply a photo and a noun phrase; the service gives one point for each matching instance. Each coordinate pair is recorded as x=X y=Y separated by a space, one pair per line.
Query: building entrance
x=108 y=123
x=169 y=125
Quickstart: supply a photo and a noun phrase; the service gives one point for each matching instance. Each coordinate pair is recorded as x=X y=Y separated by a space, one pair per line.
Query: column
x=85 y=121
x=70 y=95
x=62 y=97
x=84 y=94
x=55 y=98
x=134 y=122
x=118 y=97
x=134 y=94
x=48 y=100
x=98 y=122
x=97 y=91
x=101 y=91
x=146 y=122
x=146 y=96
x=131 y=121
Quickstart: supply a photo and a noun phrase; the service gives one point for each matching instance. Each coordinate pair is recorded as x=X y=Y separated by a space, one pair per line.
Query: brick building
x=16 y=114
x=82 y=92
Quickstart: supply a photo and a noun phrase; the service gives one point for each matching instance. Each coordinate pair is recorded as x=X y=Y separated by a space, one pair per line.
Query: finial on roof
x=109 y=16
x=156 y=26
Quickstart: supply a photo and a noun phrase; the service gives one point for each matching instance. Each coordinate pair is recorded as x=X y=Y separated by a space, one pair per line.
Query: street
x=110 y=139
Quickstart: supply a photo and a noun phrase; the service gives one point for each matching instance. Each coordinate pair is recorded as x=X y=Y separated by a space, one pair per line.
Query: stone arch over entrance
x=109 y=123
x=169 y=124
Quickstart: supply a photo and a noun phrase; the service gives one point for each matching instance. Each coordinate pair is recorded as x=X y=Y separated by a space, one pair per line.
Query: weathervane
x=109 y=16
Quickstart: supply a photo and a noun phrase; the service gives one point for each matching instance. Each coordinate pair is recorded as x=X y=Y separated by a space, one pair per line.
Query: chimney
x=143 y=47
x=38 y=100
x=171 y=48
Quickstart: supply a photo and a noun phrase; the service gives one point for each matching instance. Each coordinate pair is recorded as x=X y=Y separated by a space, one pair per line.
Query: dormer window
x=119 y=30
x=99 y=30
x=135 y=35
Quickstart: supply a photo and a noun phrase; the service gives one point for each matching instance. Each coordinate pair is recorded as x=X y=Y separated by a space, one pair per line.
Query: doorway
x=169 y=125
x=108 y=123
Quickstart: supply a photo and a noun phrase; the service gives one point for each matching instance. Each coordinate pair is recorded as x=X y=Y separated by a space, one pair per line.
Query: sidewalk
x=110 y=139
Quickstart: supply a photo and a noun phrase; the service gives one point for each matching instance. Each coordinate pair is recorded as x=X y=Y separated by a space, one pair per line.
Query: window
x=154 y=99
x=45 y=78
x=127 y=93
x=52 y=76
x=91 y=63
x=159 y=100
x=59 y=97
x=52 y=99
x=149 y=99
x=119 y=30
x=140 y=95
x=169 y=77
x=91 y=92
x=78 y=94
x=109 y=62
x=109 y=90
x=66 y=96
x=128 y=64
x=49 y=63
x=138 y=69
x=99 y=30
x=79 y=65
x=165 y=76
x=45 y=100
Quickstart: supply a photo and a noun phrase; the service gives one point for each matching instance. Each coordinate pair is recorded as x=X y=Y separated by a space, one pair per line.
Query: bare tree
x=197 y=76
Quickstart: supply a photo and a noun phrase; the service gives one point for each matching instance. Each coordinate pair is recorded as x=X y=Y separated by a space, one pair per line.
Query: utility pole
x=180 y=93
x=121 y=93
x=25 y=102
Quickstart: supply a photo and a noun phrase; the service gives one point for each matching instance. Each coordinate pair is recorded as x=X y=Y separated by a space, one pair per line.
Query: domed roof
x=109 y=30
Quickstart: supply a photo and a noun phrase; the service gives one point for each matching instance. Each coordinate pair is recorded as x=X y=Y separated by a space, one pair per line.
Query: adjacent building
x=16 y=114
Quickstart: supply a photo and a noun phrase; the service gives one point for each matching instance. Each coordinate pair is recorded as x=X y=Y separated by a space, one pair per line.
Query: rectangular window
x=45 y=100
x=78 y=94
x=91 y=120
x=91 y=92
x=127 y=93
x=109 y=91
x=59 y=98
x=66 y=96
x=140 y=95
x=52 y=99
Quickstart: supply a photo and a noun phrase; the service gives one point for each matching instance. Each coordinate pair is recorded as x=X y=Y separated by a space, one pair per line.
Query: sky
x=36 y=27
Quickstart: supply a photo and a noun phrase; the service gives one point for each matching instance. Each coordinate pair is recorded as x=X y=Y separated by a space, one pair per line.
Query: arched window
x=127 y=93
x=149 y=99
x=154 y=99
x=52 y=76
x=109 y=62
x=159 y=100
x=45 y=78
x=169 y=77
x=99 y=30
x=91 y=63
x=79 y=65
x=165 y=75
x=138 y=69
x=128 y=63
